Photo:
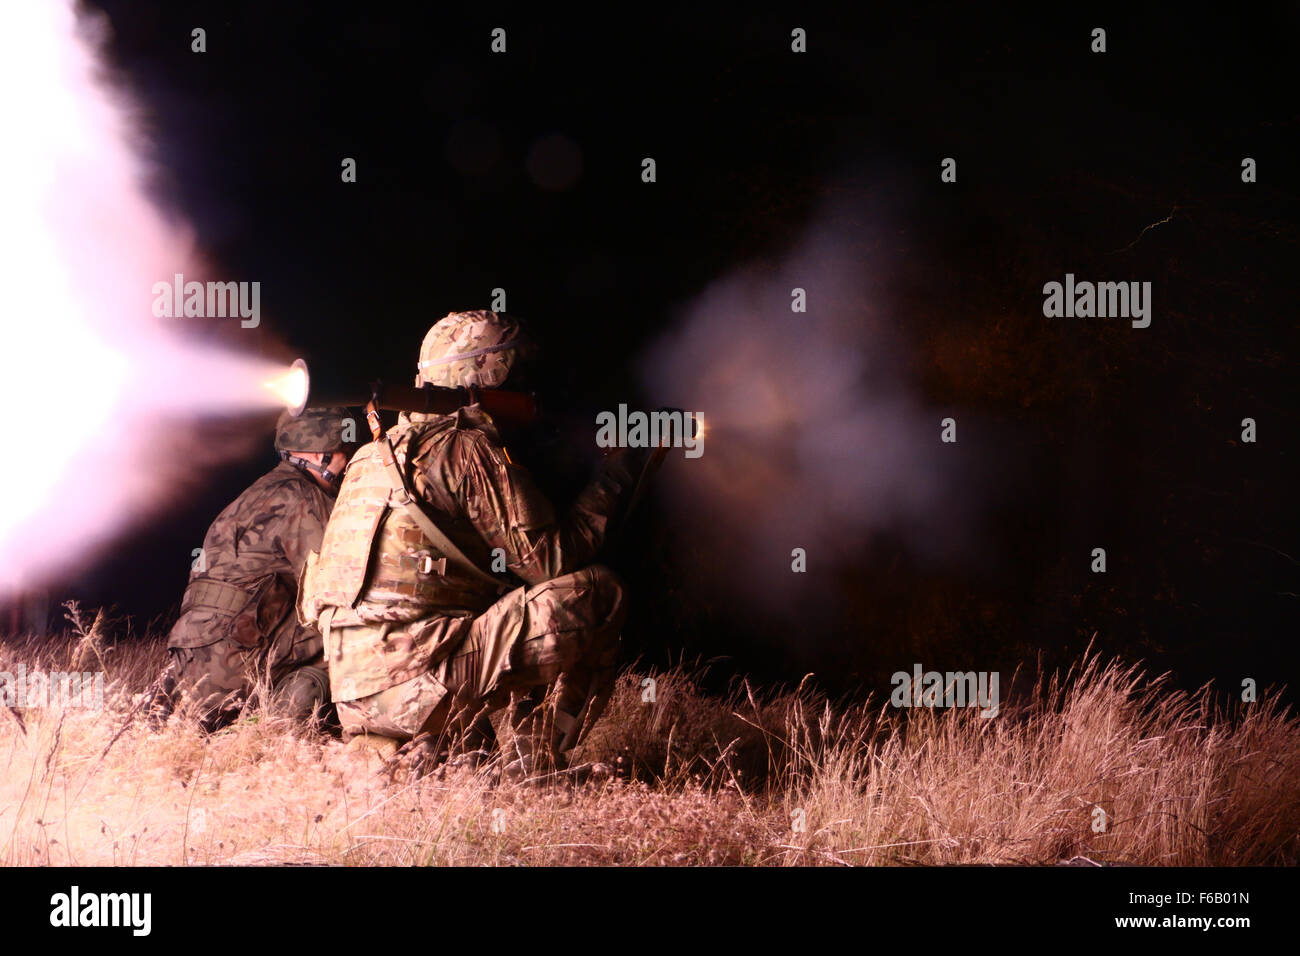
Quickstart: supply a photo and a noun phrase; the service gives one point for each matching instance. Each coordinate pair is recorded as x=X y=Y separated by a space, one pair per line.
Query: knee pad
x=303 y=692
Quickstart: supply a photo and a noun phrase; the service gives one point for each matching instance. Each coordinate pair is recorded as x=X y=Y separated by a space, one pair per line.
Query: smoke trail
x=815 y=439
x=104 y=393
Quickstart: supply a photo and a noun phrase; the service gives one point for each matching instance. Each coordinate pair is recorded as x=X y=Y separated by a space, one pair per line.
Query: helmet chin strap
x=305 y=465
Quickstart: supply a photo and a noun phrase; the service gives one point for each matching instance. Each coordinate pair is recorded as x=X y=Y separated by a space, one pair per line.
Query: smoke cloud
x=106 y=397
x=815 y=437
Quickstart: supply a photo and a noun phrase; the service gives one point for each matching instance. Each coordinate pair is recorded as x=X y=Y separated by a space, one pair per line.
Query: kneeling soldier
x=422 y=638
x=237 y=623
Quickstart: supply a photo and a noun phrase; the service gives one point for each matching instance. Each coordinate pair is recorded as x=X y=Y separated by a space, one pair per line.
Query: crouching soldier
x=446 y=586
x=237 y=625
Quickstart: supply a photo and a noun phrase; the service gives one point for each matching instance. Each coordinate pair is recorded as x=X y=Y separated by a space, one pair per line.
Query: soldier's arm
x=301 y=531
x=510 y=512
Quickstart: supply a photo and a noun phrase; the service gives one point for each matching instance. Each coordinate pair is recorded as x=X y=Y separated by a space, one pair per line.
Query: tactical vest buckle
x=426 y=564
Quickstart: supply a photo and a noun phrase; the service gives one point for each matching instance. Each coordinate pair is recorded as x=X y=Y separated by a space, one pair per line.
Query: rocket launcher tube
x=509 y=408
x=518 y=408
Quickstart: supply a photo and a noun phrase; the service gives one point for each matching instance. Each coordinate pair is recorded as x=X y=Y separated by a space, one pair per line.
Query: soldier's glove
x=630 y=469
x=626 y=465
x=641 y=463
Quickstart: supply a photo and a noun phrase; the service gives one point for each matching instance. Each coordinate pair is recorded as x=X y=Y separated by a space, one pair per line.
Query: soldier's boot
x=374 y=749
x=419 y=757
x=384 y=747
x=160 y=700
x=482 y=735
x=217 y=709
x=581 y=696
x=477 y=747
x=571 y=729
x=534 y=749
x=533 y=758
x=455 y=746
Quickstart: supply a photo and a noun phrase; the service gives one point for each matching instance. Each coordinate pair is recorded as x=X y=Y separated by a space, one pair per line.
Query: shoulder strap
x=401 y=497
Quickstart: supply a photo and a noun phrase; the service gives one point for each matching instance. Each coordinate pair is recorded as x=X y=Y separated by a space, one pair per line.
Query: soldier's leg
x=213 y=681
x=524 y=714
x=396 y=717
x=562 y=634
x=400 y=712
x=164 y=693
x=295 y=669
x=304 y=693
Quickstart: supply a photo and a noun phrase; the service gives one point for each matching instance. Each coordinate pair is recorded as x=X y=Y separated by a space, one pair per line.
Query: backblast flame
x=115 y=394
x=291 y=387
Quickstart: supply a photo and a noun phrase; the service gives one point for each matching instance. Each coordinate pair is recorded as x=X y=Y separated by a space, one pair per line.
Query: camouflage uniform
x=416 y=644
x=237 y=622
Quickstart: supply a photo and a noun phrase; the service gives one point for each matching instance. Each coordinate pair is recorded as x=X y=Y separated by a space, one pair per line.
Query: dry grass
x=779 y=778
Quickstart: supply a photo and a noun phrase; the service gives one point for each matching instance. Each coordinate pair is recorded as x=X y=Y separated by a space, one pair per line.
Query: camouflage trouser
x=567 y=636
x=218 y=678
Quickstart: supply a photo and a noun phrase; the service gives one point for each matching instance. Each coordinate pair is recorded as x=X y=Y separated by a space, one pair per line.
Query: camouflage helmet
x=315 y=430
x=472 y=348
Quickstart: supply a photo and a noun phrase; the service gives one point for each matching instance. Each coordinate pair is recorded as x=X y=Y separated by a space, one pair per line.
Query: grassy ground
x=775 y=778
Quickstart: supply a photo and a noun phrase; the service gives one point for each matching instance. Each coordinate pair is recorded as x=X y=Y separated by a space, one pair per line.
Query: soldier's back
x=266 y=532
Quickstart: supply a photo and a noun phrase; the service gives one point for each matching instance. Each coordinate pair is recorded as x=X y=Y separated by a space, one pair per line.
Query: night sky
x=1090 y=432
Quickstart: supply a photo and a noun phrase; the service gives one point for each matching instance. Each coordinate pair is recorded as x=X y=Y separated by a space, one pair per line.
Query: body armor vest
x=374 y=559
